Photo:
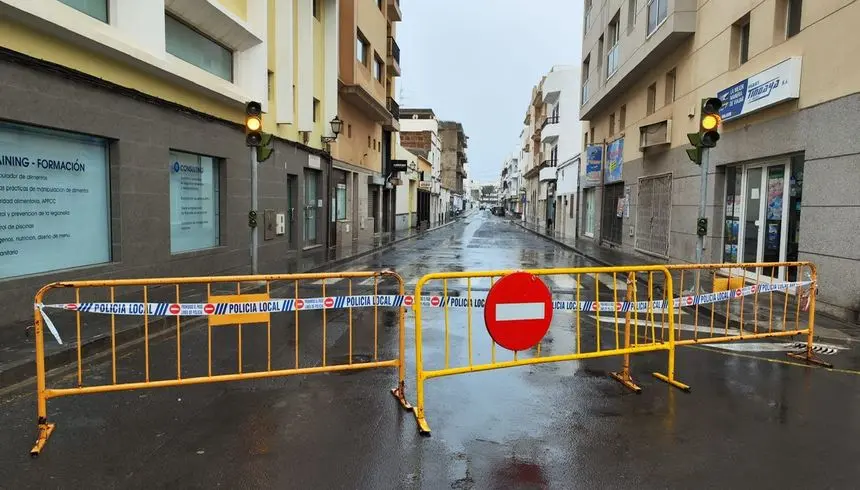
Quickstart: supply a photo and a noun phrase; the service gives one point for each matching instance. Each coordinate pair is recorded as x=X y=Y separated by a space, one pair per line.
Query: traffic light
x=253 y=124
x=252 y=219
x=702 y=227
x=710 y=122
x=709 y=125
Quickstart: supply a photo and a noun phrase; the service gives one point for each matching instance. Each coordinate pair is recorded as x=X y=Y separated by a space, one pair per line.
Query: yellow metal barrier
x=732 y=302
x=225 y=308
x=587 y=339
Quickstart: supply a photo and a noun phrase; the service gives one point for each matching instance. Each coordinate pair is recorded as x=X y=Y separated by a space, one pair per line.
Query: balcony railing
x=549 y=120
x=552 y=162
x=393 y=49
x=612 y=60
x=393 y=108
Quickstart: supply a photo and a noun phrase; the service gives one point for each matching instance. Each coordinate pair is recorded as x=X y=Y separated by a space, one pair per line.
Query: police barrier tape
x=284 y=305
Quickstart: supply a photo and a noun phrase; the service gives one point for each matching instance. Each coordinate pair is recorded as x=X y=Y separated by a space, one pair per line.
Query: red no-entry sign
x=518 y=311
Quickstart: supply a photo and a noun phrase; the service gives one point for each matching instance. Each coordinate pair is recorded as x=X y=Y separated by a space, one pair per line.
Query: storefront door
x=761 y=225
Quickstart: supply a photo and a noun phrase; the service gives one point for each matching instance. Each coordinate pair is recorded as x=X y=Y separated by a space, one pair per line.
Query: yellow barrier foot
x=626 y=380
x=423 y=427
x=810 y=359
x=398 y=393
x=45 y=430
x=672 y=382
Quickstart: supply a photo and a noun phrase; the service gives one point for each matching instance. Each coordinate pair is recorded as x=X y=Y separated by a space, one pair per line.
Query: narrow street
x=749 y=421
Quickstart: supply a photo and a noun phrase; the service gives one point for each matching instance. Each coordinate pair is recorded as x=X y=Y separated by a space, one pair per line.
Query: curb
x=359 y=255
x=25 y=370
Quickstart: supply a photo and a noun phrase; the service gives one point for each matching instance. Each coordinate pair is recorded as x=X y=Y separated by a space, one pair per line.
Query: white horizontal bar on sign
x=506 y=312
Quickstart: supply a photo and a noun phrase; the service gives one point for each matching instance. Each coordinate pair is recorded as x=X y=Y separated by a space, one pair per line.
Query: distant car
x=482 y=207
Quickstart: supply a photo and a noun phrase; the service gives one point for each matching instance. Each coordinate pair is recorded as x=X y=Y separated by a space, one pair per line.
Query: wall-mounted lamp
x=336 y=128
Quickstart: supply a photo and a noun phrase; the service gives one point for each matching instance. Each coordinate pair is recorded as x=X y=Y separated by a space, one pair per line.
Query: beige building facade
x=780 y=185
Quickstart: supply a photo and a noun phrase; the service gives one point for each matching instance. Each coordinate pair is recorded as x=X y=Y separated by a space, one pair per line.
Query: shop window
x=194 y=202
x=55 y=204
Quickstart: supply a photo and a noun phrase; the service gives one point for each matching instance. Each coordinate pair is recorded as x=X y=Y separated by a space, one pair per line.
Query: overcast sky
x=476 y=61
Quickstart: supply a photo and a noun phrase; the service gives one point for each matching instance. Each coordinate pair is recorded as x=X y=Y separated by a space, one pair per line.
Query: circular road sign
x=208 y=308
x=175 y=309
x=518 y=311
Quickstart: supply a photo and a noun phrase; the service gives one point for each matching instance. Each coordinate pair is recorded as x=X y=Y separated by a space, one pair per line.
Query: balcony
x=670 y=23
x=393 y=57
x=393 y=107
x=394 y=13
x=548 y=174
x=550 y=130
x=376 y=109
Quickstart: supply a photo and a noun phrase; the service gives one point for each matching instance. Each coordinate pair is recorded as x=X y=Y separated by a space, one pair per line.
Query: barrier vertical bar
x=113 y=336
x=624 y=376
x=375 y=319
x=350 y=322
x=447 y=336
x=578 y=315
x=492 y=342
x=755 y=304
x=423 y=427
x=239 y=330
x=269 y=331
x=680 y=308
x=45 y=429
x=146 y=328
x=669 y=377
x=178 y=337
x=324 y=327
x=297 y=323
x=469 y=317
x=209 y=329
x=696 y=315
x=615 y=297
x=400 y=391
x=729 y=302
x=78 y=329
x=597 y=307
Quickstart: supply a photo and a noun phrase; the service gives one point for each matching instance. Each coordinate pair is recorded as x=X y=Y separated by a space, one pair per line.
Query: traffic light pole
x=703 y=199
x=254 y=234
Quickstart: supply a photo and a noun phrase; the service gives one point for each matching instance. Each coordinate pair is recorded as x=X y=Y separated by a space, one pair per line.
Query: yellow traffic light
x=710 y=122
x=253 y=123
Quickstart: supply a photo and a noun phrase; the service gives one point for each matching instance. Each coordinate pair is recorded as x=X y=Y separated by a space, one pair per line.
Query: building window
x=270 y=86
x=587 y=13
x=657 y=11
x=316 y=109
x=378 y=68
x=362 y=48
x=612 y=56
x=622 y=117
x=585 y=141
x=193 y=47
x=741 y=35
x=631 y=15
x=670 y=86
x=316 y=8
x=59 y=217
x=586 y=66
x=795 y=7
x=97 y=9
x=311 y=206
x=592 y=135
x=349 y=130
x=611 y=124
x=652 y=100
x=368 y=142
x=380 y=4
x=194 y=202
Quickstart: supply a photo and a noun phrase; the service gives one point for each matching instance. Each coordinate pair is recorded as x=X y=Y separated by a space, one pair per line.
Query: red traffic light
x=712 y=105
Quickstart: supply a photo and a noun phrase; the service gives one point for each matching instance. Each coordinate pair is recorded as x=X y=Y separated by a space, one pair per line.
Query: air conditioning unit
x=655 y=134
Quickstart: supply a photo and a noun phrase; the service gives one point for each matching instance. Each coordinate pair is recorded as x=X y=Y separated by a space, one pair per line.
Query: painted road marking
x=506 y=312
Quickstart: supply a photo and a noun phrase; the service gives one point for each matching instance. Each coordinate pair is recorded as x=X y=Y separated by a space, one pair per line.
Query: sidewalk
x=17 y=347
x=826 y=327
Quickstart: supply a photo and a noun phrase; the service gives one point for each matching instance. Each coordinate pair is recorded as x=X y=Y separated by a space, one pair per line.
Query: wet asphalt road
x=749 y=422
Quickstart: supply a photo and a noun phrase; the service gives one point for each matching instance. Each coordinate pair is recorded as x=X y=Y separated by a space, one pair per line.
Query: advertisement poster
x=54 y=208
x=614 y=161
x=193 y=202
x=775 y=183
x=593 y=165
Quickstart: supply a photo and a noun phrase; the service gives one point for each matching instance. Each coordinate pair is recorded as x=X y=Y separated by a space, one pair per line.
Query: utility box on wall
x=269 y=224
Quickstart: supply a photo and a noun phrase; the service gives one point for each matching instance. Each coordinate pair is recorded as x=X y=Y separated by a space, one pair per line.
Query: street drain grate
x=827 y=350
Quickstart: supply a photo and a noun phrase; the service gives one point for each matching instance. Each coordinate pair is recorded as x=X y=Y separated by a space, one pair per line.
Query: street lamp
x=336 y=128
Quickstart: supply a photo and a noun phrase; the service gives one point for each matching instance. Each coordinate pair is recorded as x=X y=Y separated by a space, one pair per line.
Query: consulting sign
x=772 y=86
